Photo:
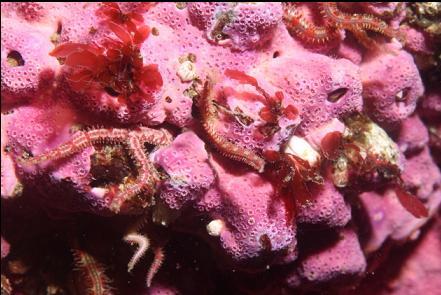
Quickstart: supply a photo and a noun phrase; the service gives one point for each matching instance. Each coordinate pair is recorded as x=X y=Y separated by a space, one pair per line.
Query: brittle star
x=143 y=244
x=148 y=177
x=93 y=273
x=228 y=149
x=358 y=24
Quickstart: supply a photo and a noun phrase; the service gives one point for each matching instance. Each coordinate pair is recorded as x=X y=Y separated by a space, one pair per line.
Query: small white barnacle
x=299 y=147
x=215 y=227
x=187 y=71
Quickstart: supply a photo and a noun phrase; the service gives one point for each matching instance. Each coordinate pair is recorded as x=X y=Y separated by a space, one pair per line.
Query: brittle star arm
x=143 y=245
x=94 y=276
x=224 y=146
x=147 y=178
x=158 y=259
x=147 y=175
x=79 y=141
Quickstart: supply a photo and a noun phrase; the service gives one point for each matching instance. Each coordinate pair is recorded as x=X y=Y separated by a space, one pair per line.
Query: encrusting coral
x=219 y=148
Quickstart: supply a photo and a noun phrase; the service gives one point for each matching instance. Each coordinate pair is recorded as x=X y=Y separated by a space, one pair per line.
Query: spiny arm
x=225 y=147
x=79 y=141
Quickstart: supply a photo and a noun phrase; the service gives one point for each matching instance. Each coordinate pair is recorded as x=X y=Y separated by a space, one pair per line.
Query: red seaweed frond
x=116 y=65
x=113 y=13
x=272 y=110
x=411 y=203
x=290 y=176
x=331 y=144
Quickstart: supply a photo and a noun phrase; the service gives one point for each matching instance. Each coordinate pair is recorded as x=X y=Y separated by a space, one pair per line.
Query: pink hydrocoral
x=10 y=184
x=30 y=11
x=51 y=125
x=351 y=50
x=417 y=41
x=161 y=289
x=413 y=270
x=320 y=87
x=76 y=25
x=38 y=128
x=326 y=207
x=186 y=163
x=389 y=219
x=413 y=135
x=420 y=271
x=391 y=86
x=210 y=202
x=5 y=247
x=203 y=14
x=25 y=64
x=316 y=136
x=182 y=39
x=68 y=21
x=381 y=8
x=244 y=26
x=255 y=222
x=421 y=175
x=341 y=259
x=431 y=104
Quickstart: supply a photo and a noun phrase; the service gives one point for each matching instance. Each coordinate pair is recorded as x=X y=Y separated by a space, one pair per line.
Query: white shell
x=215 y=227
x=187 y=71
x=301 y=148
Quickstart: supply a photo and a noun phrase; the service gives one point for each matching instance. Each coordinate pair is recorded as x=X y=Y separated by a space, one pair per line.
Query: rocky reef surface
x=220 y=148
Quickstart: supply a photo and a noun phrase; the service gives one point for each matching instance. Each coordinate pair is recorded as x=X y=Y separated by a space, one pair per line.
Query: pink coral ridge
x=254 y=222
x=392 y=86
x=26 y=67
x=344 y=257
x=243 y=216
x=186 y=162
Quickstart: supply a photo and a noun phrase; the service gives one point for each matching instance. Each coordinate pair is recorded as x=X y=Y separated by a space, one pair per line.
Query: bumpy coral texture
x=26 y=67
x=321 y=87
x=186 y=161
x=391 y=87
x=343 y=256
x=235 y=147
x=326 y=207
x=413 y=136
x=242 y=25
x=254 y=222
